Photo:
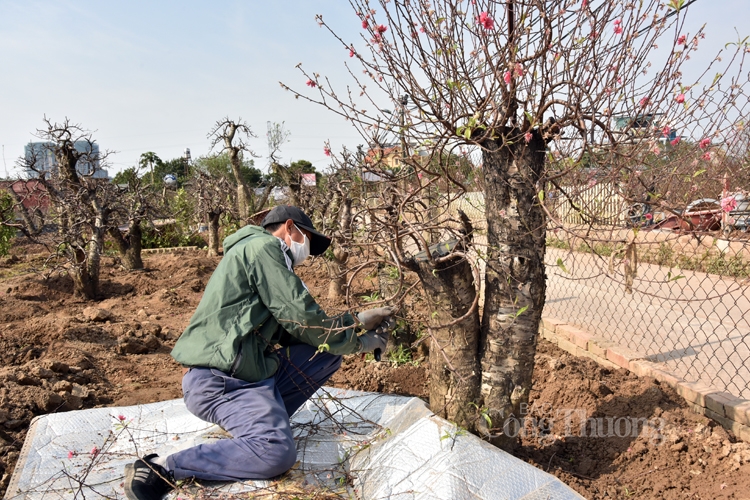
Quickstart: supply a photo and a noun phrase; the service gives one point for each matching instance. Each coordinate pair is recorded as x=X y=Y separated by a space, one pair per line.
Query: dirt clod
x=97 y=314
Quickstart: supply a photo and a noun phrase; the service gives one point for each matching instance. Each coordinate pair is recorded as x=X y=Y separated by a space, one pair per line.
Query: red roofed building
x=32 y=193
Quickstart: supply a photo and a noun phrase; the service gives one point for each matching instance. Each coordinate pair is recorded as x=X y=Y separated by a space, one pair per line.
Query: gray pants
x=255 y=414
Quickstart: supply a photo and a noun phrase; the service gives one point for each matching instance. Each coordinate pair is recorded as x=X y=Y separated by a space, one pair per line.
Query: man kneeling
x=251 y=356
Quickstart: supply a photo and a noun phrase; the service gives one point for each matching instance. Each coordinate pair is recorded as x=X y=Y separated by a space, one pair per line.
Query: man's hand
x=372 y=318
x=373 y=340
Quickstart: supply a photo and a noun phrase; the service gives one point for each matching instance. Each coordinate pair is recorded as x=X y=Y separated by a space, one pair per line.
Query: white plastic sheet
x=366 y=445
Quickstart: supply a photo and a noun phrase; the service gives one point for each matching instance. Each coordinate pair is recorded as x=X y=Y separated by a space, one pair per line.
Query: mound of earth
x=62 y=353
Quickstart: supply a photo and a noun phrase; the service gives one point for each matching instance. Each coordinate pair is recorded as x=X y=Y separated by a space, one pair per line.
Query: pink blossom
x=518 y=70
x=327 y=151
x=644 y=102
x=680 y=98
x=311 y=84
x=618 y=22
x=94 y=451
x=351 y=52
x=421 y=29
x=364 y=24
x=71 y=454
x=506 y=77
x=121 y=418
x=728 y=204
x=592 y=182
x=682 y=40
x=649 y=216
x=666 y=130
x=381 y=28
x=618 y=30
x=486 y=21
x=707 y=156
x=527 y=136
x=705 y=143
x=675 y=141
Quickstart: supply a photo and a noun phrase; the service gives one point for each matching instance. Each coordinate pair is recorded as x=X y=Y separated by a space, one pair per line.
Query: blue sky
x=155 y=75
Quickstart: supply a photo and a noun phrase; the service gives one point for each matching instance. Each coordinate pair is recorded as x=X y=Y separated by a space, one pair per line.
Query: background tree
x=213 y=200
x=221 y=166
x=137 y=203
x=519 y=81
x=126 y=176
x=232 y=137
x=81 y=204
x=148 y=162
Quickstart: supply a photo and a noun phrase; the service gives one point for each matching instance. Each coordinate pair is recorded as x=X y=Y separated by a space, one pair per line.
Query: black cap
x=282 y=213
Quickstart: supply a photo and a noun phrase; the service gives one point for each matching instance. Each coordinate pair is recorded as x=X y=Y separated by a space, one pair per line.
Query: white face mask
x=300 y=251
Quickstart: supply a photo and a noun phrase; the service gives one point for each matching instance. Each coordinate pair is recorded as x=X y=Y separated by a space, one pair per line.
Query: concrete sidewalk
x=697 y=324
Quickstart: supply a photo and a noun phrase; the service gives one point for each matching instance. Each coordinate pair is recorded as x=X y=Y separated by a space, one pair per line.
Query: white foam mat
x=363 y=445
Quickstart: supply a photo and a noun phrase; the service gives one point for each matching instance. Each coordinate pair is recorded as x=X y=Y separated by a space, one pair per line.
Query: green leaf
x=716 y=78
x=676 y=4
x=699 y=172
x=487 y=419
x=561 y=265
x=521 y=311
x=323 y=348
x=540 y=194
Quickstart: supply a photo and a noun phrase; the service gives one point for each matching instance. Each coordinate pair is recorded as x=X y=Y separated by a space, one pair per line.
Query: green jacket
x=252 y=303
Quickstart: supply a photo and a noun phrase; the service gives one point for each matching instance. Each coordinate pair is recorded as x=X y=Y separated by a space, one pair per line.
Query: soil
x=62 y=353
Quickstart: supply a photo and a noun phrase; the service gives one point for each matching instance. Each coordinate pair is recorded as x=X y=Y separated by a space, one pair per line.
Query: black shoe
x=147 y=481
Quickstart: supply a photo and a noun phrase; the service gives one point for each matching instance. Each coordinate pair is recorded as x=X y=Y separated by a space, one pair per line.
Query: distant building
x=645 y=125
x=32 y=193
x=42 y=153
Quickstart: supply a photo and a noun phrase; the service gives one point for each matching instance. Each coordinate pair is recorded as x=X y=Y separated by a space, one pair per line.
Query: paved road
x=698 y=324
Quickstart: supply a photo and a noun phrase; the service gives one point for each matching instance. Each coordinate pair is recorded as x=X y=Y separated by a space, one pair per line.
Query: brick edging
x=169 y=250
x=731 y=412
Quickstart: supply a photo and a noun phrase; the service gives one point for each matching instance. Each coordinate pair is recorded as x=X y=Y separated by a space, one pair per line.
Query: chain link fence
x=680 y=298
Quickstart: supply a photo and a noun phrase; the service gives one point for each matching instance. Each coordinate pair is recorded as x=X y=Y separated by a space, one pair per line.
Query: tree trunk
x=79 y=272
x=132 y=259
x=260 y=203
x=213 y=233
x=295 y=188
x=454 y=361
x=94 y=259
x=86 y=266
x=130 y=247
x=341 y=205
x=243 y=193
x=515 y=281
x=337 y=272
